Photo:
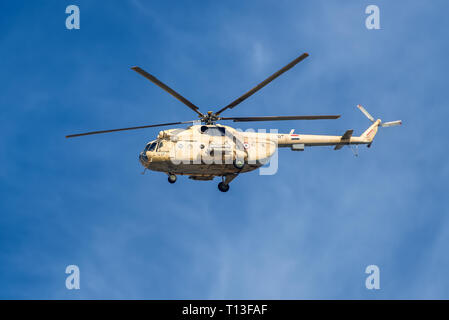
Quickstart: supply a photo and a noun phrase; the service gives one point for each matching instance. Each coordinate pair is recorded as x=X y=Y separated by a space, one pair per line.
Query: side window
x=159 y=147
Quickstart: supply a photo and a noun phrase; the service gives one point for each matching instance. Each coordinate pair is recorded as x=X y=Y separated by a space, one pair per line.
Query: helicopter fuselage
x=206 y=151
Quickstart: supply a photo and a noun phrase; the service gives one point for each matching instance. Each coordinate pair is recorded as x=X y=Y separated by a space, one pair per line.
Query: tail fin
x=370 y=133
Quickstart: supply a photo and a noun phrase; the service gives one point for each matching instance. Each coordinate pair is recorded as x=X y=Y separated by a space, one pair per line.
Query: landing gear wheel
x=239 y=164
x=223 y=187
x=172 y=178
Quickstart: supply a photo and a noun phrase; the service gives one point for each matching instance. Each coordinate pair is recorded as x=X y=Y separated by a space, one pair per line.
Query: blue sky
x=307 y=232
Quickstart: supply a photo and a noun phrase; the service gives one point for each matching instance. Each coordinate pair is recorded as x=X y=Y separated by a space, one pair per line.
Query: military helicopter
x=205 y=149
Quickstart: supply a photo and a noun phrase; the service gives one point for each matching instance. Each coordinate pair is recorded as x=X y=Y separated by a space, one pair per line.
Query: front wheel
x=223 y=187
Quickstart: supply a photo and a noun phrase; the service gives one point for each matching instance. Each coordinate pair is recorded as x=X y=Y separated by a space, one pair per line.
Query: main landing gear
x=172 y=178
x=224 y=185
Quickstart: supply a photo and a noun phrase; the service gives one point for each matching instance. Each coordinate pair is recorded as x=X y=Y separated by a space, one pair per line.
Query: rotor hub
x=209 y=118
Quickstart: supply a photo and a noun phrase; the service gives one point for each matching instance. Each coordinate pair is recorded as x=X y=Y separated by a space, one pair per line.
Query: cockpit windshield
x=151 y=146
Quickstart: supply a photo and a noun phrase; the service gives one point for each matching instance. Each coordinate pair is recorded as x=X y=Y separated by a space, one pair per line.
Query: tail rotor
x=382 y=124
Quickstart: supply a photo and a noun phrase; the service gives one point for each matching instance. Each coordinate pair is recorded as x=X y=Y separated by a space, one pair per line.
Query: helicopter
x=206 y=149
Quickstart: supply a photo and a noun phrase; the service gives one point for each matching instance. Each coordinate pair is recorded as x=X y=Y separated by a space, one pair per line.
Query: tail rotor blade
x=366 y=113
x=391 y=123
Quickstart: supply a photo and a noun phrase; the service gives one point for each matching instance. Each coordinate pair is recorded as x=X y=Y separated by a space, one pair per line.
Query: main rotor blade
x=264 y=83
x=276 y=118
x=124 y=129
x=168 y=89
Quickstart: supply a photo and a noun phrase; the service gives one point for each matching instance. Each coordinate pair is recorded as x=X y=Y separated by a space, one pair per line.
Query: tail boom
x=309 y=140
x=367 y=137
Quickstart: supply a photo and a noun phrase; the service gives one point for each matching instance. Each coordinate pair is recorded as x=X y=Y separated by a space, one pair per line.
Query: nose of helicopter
x=143 y=158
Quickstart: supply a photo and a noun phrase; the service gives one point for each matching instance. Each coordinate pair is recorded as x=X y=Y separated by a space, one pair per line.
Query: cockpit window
x=150 y=146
